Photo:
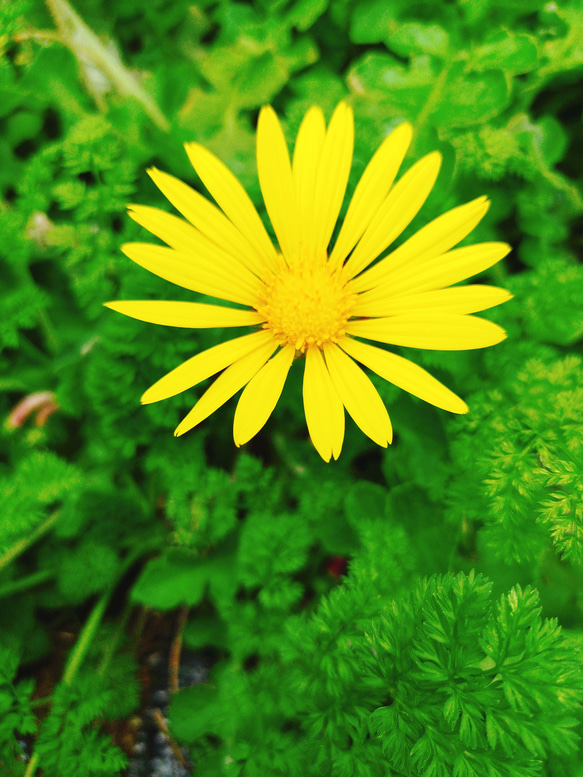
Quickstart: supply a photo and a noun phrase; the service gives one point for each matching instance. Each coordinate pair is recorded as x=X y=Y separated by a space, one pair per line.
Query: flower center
x=306 y=306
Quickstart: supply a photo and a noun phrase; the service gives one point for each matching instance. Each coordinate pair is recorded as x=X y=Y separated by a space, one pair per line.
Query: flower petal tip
x=405 y=129
x=145 y=399
x=125 y=247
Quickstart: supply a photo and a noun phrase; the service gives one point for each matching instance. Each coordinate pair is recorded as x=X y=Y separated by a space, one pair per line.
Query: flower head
x=302 y=300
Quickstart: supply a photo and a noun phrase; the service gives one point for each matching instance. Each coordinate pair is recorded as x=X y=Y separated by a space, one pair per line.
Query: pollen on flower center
x=306 y=306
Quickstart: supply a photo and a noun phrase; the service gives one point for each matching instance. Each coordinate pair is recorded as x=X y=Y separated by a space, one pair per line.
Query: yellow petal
x=437 y=332
x=307 y=152
x=208 y=219
x=277 y=184
x=174 y=231
x=359 y=396
x=396 y=213
x=404 y=374
x=227 y=384
x=260 y=396
x=203 y=365
x=186 y=238
x=234 y=201
x=333 y=171
x=322 y=406
x=194 y=315
x=432 y=240
x=452 y=267
x=459 y=299
x=371 y=190
x=207 y=271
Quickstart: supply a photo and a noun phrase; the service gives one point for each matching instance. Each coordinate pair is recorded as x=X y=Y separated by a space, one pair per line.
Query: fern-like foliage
x=40 y=479
x=16 y=713
x=519 y=461
x=441 y=680
x=70 y=741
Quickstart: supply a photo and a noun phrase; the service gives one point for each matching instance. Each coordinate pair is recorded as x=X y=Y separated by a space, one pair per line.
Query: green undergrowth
x=413 y=611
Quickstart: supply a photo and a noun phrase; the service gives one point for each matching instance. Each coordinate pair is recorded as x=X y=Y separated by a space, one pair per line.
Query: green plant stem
x=48 y=331
x=41 y=702
x=85 y=639
x=113 y=643
x=88 y=49
x=25 y=583
x=89 y=630
x=32 y=764
x=430 y=105
x=19 y=547
x=32 y=350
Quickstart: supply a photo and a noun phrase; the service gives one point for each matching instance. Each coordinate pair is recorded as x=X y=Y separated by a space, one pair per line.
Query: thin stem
x=25 y=583
x=19 y=547
x=113 y=643
x=163 y=726
x=32 y=764
x=85 y=639
x=32 y=350
x=175 y=650
x=92 y=624
x=90 y=51
x=430 y=104
x=49 y=331
x=41 y=702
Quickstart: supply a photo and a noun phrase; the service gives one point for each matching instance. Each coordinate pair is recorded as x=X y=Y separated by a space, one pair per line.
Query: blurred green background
x=334 y=604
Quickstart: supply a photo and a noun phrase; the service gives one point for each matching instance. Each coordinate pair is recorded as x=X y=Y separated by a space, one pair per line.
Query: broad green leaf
x=173 y=579
x=471 y=98
x=409 y=38
x=371 y=21
x=381 y=79
x=305 y=12
x=196 y=711
x=514 y=53
x=365 y=499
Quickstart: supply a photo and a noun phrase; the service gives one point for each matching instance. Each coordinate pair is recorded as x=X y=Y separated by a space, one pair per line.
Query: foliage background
x=452 y=645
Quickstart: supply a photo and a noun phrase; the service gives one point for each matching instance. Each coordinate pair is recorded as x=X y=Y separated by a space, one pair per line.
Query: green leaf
x=471 y=98
x=204 y=631
x=514 y=53
x=409 y=38
x=304 y=13
x=380 y=79
x=174 y=578
x=188 y=727
x=90 y=568
x=364 y=499
x=371 y=21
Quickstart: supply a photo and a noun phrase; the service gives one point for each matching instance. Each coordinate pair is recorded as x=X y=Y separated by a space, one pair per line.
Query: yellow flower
x=300 y=300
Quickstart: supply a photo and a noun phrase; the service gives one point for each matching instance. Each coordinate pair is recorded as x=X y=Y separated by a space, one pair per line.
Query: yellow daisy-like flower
x=303 y=301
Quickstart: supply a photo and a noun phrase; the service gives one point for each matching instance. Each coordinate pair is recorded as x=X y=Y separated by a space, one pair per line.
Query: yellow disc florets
x=306 y=306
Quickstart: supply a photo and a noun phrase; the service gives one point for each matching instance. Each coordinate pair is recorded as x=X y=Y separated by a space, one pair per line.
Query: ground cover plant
x=363 y=609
